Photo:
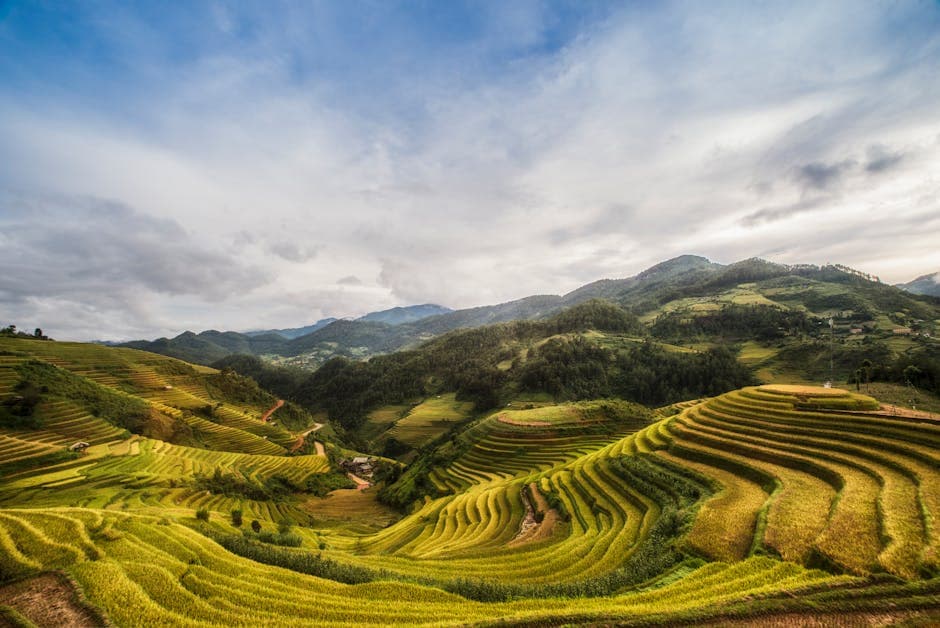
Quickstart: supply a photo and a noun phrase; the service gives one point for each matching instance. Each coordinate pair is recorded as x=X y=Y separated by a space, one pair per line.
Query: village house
x=360 y=466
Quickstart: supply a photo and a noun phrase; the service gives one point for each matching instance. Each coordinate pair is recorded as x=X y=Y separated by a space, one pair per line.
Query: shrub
x=236 y=517
x=202 y=514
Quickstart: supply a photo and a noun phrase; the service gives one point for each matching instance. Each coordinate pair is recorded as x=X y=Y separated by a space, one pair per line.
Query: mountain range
x=685 y=282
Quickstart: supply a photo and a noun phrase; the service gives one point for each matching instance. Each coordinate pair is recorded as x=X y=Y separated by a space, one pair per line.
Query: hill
x=684 y=285
x=58 y=393
x=409 y=314
x=925 y=284
x=294 y=332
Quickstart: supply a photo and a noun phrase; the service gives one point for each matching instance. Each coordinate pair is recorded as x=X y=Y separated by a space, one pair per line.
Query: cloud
x=881 y=159
x=772 y=214
x=822 y=176
x=456 y=155
x=101 y=255
x=293 y=251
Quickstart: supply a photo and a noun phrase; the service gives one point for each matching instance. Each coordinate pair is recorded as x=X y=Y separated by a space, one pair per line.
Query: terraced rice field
x=763 y=504
x=169 y=386
x=430 y=419
x=821 y=474
x=141 y=571
x=815 y=476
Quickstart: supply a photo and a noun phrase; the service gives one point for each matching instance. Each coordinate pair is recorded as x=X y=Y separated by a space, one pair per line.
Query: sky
x=194 y=165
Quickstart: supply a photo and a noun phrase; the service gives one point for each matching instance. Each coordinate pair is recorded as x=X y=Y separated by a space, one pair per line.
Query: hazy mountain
x=294 y=332
x=401 y=315
x=209 y=346
x=925 y=284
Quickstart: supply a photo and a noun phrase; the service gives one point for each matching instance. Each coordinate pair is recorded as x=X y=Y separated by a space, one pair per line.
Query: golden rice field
x=766 y=504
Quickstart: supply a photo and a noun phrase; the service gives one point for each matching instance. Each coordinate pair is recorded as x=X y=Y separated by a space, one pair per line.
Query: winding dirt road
x=267 y=415
x=361 y=484
x=303 y=437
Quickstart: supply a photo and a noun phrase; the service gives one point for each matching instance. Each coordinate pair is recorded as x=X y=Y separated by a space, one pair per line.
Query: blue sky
x=193 y=165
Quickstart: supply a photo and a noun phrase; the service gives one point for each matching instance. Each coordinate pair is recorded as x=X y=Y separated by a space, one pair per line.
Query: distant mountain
x=294 y=332
x=402 y=315
x=209 y=346
x=925 y=284
x=686 y=283
x=682 y=269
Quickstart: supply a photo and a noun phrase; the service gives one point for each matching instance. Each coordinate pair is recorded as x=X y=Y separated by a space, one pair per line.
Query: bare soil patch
x=531 y=528
x=49 y=599
x=361 y=484
x=887 y=408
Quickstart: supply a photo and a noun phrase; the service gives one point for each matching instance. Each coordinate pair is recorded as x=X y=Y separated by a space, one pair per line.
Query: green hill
x=679 y=288
x=56 y=393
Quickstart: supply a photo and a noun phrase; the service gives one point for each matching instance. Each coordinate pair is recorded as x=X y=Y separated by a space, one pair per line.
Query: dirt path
x=361 y=484
x=908 y=412
x=303 y=437
x=267 y=415
x=49 y=600
x=321 y=451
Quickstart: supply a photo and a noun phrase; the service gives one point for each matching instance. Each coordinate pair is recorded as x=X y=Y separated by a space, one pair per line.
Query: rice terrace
x=469 y=313
x=769 y=503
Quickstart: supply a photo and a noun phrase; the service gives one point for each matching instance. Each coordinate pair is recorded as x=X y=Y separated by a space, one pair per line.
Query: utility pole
x=832 y=332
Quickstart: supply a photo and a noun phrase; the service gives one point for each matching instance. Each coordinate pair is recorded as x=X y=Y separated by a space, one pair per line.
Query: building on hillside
x=79 y=446
x=360 y=466
x=902 y=331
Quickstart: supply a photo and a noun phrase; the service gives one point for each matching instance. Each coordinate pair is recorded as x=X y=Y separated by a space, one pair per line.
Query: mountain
x=401 y=315
x=208 y=346
x=925 y=284
x=294 y=332
x=686 y=283
x=683 y=269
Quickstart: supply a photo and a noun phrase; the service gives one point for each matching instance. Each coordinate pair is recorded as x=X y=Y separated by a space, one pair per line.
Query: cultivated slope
x=765 y=503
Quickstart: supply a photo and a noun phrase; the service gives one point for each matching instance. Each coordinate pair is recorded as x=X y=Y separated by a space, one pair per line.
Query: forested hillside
x=805 y=295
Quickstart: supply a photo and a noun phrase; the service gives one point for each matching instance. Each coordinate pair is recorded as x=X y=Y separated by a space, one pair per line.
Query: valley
x=190 y=503
x=594 y=466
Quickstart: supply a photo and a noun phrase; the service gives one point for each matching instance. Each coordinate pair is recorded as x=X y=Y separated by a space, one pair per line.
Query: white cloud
x=802 y=132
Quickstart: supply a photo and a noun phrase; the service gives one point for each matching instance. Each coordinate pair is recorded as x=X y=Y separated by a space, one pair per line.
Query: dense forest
x=488 y=365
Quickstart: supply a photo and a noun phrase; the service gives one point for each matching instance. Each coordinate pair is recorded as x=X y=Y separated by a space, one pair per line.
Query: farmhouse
x=79 y=446
x=360 y=465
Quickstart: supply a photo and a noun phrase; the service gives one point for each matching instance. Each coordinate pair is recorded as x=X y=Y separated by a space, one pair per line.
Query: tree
x=256 y=526
x=37 y=333
x=236 y=517
x=866 y=367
